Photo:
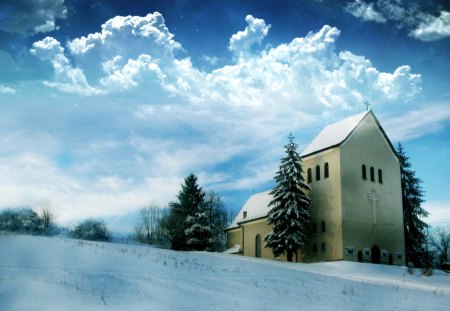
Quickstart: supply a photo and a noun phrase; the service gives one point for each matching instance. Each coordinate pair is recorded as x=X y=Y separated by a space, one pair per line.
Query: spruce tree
x=289 y=215
x=412 y=198
x=198 y=232
x=190 y=198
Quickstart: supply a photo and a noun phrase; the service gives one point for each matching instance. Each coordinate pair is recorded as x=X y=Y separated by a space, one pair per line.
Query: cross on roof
x=366 y=102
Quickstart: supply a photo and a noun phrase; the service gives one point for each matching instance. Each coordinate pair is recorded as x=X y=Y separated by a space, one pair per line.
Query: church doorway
x=376 y=254
x=258 y=246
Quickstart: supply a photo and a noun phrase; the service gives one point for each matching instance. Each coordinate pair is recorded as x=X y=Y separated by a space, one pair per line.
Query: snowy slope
x=39 y=273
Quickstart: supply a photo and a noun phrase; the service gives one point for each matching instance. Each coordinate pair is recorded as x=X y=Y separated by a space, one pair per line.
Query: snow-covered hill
x=39 y=273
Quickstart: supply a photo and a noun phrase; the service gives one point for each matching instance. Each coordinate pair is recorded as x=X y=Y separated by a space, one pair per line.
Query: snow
x=39 y=273
x=256 y=206
x=334 y=134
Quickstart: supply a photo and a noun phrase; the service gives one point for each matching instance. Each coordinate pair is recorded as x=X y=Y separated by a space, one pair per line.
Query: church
x=356 y=208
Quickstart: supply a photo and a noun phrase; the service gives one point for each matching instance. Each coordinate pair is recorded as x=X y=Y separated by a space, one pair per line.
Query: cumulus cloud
x=433 y=28
x=67 y=78
x=423 y=26
x=7 y=90
x=31 y=16
x=365 y=11
x=242 y=41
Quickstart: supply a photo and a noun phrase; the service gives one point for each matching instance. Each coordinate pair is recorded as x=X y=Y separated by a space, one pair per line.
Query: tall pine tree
x=289 y=215
x=198 y=231
x=190 y=199
x=412 y=198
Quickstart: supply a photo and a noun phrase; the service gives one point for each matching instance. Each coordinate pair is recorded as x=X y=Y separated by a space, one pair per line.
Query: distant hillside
x=38 y=273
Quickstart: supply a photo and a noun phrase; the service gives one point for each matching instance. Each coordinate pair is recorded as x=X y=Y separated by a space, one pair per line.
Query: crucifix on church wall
x=374 y=197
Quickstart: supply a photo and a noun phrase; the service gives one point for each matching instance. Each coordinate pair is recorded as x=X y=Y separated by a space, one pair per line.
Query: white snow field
x=38 y=273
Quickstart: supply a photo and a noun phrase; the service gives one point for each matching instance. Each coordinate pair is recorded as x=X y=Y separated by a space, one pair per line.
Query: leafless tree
x=47 y=214
x=440 y=241
x=147 y=226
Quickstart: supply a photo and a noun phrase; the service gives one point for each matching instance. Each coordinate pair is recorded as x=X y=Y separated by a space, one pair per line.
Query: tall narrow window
x=322 y=226
x=314 y=248
x=309 y=175
x=372 y=174
x=314 y=228
x=317 y=172
x=258 y=246
x=380 y=176
x=364 y=174
x=326 y=173
x=322 y=247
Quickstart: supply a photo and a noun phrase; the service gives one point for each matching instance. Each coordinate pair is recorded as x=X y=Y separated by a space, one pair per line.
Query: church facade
x=356 y=209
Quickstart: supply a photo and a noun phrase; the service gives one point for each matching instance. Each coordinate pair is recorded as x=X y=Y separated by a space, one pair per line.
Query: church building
x=356 y=209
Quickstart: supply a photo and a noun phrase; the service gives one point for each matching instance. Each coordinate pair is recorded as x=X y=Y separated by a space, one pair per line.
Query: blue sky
x=105 y=106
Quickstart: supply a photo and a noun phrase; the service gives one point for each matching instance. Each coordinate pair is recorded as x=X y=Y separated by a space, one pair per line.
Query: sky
x=106 y=106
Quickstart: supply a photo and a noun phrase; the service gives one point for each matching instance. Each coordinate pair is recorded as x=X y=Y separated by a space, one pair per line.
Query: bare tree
x=47 y=214
x=147 y=227
x=440 y=241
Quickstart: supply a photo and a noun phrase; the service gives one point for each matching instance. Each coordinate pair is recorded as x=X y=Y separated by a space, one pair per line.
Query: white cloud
x=423 y=26
x=418 y=123
x=433 y=28
x=67 y=78
x=7 y=90
x=439 y=212
x=365 y=11
x=31 y=15
x=242 y=41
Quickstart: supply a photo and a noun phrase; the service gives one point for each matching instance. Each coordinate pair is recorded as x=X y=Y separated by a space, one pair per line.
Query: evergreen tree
x=289 y=215
x=198 y=231
x=190 y=198
x=412 y=198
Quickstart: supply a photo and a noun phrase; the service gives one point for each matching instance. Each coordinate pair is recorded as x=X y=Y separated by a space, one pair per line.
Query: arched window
x=326 y=172
x=317 y=172
x=323 y=247
x=372 y=174
x=364 y=174
x=380 y=176
x=314 y=228
x=322 y=226
x=309 y=175
x=258 y=246
x=314 y=248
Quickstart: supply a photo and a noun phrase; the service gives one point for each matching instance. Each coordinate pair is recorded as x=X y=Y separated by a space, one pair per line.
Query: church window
x=326 y=172
x=314 y=228
x=372 y=174
x=322 y=226
x=366 y=252
x=380 y=176
x=323 y=247
x=317 y=172
x=399 y=255
x=364 y=174
x=314 y=248
x=309 y=175
x=350 y=250
x=384 y=254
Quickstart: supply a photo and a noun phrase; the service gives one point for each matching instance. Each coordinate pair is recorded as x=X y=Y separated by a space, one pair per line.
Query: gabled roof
x=334 y=134
x=257 y=206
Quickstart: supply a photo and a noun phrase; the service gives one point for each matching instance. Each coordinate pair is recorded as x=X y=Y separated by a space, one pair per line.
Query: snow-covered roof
x=256 y=206
x=236 y=249
x=334 y=134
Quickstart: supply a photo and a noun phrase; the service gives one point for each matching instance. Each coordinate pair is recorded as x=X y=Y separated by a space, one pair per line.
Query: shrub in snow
x=23 y=220
x=92 y=230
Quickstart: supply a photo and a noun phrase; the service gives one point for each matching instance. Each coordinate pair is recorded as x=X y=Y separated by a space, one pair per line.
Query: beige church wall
x=234 y=237
x=368 y=146
x=250 y=230
x=326 y=206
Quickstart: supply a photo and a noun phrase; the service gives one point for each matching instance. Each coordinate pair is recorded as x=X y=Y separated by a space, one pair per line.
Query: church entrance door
x=376 y=254
x=258 y=246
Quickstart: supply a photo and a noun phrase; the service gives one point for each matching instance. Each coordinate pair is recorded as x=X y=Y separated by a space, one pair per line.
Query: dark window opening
x=309 y=175
x=322 y=226
x=372 y=174
x=317 y=172
x=364 y=174
x=326 y=172
x=380 y=176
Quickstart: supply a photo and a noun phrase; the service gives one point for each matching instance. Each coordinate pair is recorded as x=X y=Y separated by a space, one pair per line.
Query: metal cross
x=374 y=197
x=367 y=104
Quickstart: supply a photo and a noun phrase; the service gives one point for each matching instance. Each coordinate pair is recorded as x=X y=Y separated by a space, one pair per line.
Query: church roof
x=257 y=206
x=334 y=134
